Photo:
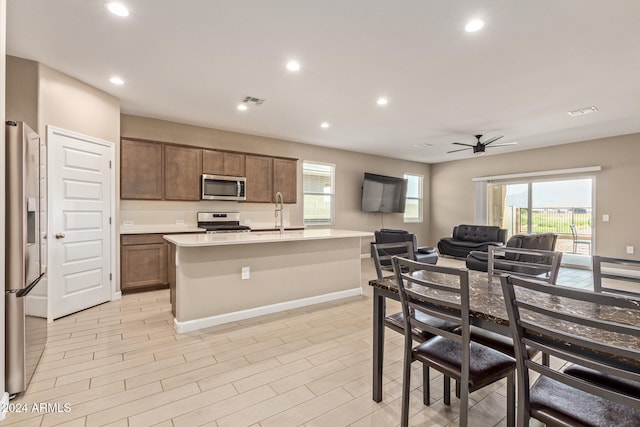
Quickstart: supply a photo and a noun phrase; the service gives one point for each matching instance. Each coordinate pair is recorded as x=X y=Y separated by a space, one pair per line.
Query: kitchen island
x=225 y=277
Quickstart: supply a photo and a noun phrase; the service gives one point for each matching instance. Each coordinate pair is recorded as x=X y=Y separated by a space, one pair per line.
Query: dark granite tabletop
x=486 y=303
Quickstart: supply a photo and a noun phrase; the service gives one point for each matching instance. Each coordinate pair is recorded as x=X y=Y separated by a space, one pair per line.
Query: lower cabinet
x=144 y=260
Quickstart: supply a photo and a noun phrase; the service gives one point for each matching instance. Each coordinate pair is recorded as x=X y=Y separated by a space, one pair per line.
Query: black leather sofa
x=467 y=238
x=425 y=254
x=478 y=261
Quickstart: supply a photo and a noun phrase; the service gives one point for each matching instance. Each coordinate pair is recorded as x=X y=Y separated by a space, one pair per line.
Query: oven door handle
x=25 y=291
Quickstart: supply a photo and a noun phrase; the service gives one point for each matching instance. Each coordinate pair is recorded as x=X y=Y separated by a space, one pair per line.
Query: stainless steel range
x=221 y=222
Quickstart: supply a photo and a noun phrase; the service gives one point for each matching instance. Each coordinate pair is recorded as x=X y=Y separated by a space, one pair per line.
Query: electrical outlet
x=629 y=249
x=179 y=221
x=247 y=221
x=246 y=273
x=605 y=218
x=127 y=222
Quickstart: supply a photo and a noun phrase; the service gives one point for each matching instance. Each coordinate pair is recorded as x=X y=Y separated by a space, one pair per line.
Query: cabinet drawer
x=140 y=239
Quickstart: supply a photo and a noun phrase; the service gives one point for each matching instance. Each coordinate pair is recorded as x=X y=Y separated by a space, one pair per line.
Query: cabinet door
x=182 y=166
x=143 y=266
x=234 y=164
x=212 y=162
x=221 y=163
x=285 y=175
x=141 y=173
x=259 y=179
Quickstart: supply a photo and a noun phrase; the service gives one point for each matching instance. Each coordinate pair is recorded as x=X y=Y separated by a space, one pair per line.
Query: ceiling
x=194 y=61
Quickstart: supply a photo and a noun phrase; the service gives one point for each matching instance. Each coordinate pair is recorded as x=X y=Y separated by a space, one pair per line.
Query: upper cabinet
x=182 y=166
x=141 y=173
x=285 y=174
x=162 y=171
x=223 y=163
x=259 y=179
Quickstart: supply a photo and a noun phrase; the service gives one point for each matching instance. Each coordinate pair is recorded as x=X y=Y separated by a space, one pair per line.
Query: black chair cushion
x=486 y=365
x=555 y=403
x=497 y=341
x=628 y=387
x=396 y=322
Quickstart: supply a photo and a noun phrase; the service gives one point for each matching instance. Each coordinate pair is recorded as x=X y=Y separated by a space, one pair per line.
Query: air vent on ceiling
x=253 y=100
x=583 y=111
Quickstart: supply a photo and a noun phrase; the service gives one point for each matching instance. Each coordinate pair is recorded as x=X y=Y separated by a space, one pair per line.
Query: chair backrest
x=574 y=232
x=575 y=326
x=532 y=263
x=441 y=292
x=388 y=235
x=624 y=272
x=383 y=252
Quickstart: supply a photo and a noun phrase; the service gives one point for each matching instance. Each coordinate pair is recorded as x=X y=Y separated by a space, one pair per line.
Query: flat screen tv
x=383 y=193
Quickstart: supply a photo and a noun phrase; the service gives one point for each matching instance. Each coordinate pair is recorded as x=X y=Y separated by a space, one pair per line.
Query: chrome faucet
x=279 y=207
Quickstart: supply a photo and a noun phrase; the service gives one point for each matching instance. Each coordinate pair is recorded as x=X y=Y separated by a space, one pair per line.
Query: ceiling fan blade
x=506 y=143
x=462 y=149
x=491 y=140
x=460 y=143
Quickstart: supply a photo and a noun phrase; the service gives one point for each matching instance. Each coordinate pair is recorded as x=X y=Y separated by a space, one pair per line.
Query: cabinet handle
x=59 y=235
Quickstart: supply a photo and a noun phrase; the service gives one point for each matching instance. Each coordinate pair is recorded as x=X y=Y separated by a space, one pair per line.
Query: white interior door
x=80 y=209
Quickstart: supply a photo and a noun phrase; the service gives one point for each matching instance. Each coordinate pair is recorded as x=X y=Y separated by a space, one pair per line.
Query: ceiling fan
x=480 y=147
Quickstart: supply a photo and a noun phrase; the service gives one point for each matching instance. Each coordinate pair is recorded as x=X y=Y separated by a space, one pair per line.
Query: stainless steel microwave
x=220 y=187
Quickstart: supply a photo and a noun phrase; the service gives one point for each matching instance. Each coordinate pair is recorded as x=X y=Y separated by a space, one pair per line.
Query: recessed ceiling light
x=423 y=145
x=382 y=101
x=583 y=111
x=293 y=66
x=116 y=80
x=324 y=125
x=117 y=8
x=242 y=107
x=474 y=25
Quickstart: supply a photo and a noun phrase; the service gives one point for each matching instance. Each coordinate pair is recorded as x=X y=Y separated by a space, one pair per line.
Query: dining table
x=487 y=310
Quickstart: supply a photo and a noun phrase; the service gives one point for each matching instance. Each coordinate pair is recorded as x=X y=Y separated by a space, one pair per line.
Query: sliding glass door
x=564 y=207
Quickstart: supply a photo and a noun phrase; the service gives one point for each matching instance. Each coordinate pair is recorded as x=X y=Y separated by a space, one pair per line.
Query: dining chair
x=576 y=240
x=473 y=365
x=382 y=252
x=619 y=270
x=597 y=331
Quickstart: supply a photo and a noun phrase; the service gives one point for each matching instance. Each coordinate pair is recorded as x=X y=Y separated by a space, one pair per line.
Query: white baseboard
x=363 y=256
x=4 y=404
x=206 y=322
x=116 y=296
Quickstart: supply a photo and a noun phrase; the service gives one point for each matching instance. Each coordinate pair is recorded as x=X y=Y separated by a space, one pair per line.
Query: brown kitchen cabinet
x=182 y=166
x=141 y=170
x=285 y=176
x=259 y=179
x=223 y=163
x=144 y=260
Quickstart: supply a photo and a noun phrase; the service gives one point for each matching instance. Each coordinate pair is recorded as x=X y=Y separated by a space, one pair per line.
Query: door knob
x=59 y=235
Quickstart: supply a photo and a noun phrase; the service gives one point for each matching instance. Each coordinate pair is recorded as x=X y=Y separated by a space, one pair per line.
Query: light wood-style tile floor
x=122 y=364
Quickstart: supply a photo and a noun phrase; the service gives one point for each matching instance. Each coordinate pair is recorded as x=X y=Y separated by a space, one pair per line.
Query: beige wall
x=350 y=167
x=22 y=91
x=452 y=189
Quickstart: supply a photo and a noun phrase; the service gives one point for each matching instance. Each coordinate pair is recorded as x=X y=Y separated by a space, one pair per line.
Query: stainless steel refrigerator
x=25 y=272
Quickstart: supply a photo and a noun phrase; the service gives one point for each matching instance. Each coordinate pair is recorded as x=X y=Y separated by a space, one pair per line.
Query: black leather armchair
x=467 y=238
x=426 y=254
x=477 y=260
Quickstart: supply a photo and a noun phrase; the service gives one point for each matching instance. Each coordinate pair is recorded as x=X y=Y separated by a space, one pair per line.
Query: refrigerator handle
x=25 y=291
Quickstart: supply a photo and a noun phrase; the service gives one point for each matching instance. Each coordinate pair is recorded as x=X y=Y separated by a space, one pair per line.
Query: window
x=413 y=207
x=318 y=186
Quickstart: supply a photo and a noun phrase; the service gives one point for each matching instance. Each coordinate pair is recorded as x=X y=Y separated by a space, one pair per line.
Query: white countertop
x=192 y=240
x=159 y=229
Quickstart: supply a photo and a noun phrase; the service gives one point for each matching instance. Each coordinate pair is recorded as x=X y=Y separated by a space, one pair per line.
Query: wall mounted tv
x=383 y=193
